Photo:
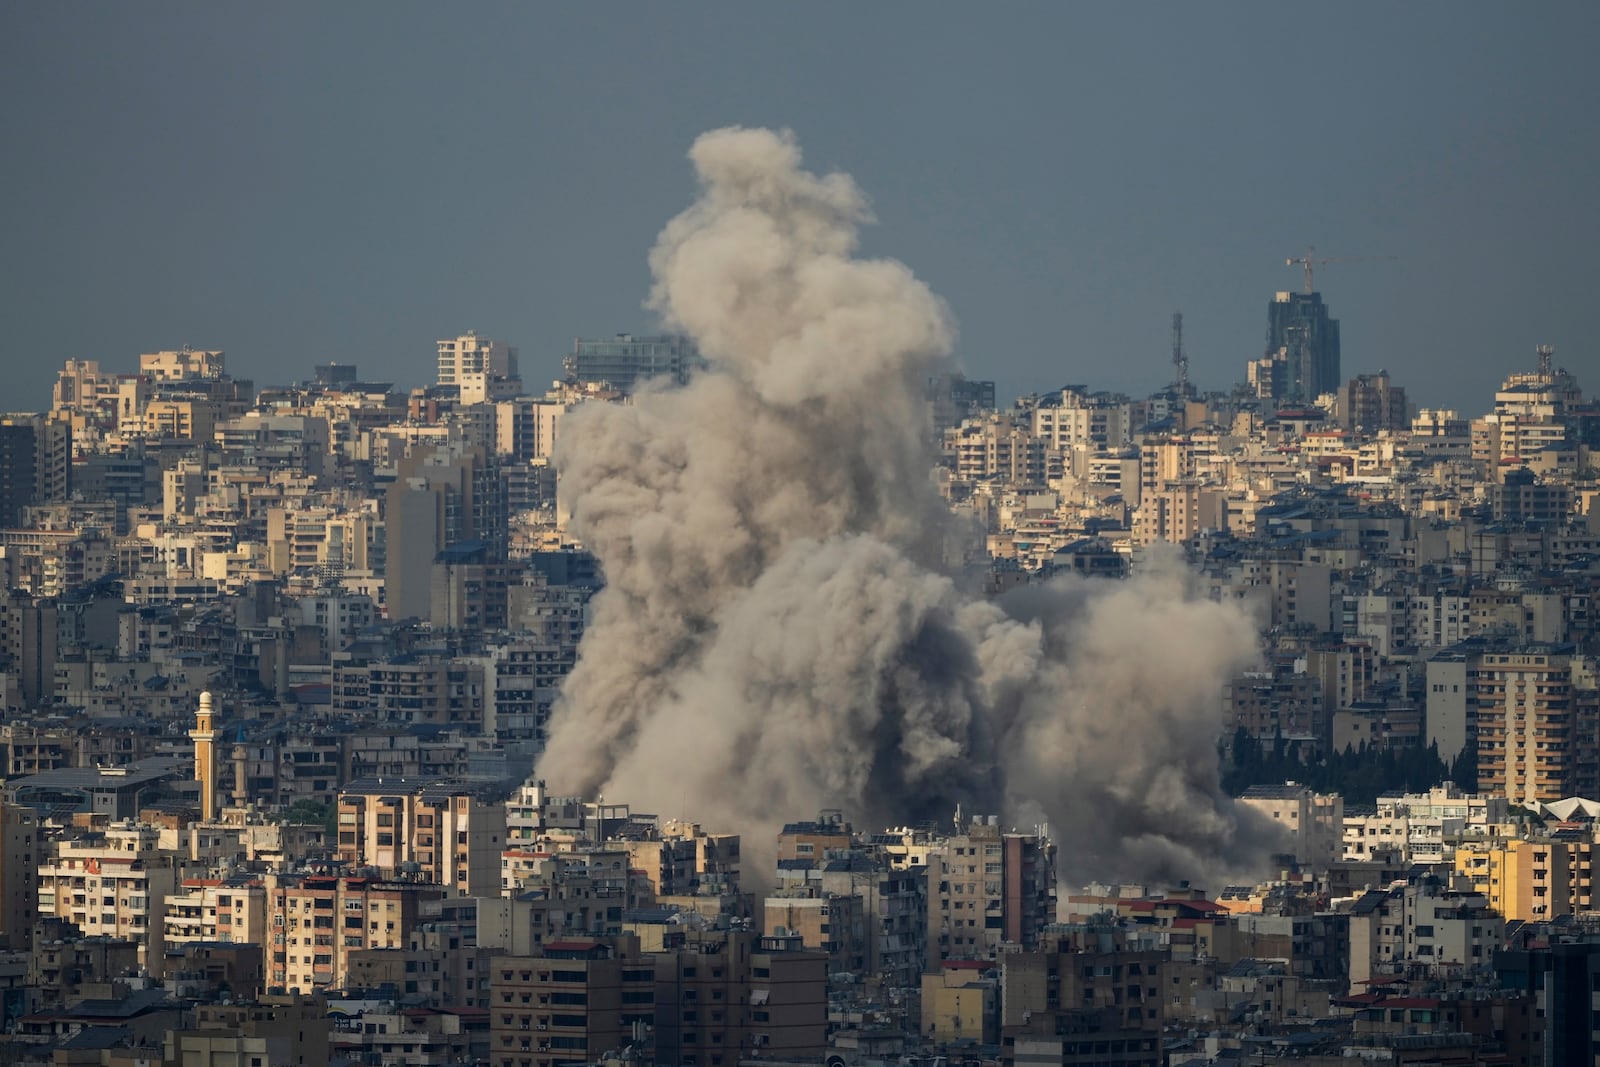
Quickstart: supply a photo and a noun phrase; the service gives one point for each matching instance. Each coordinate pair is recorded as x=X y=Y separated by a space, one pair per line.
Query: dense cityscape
x=770 y=691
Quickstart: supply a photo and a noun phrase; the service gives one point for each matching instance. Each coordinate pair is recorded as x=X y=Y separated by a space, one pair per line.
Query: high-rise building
x=20 y=846
x=18 y=468
x=625 y=362
x=35 y=463
x=443 y=497
x=1535 y=726
x=580 y=999
x=986 y=887
x=470 y=354
x=725 y=996
x=437 y=830
x=1370 y=402
x=1081 y=993
x=953 y=398
x=1302 y=357
x=318 y=921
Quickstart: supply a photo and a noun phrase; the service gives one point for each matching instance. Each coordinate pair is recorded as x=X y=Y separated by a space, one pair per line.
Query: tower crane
x=1311 y=259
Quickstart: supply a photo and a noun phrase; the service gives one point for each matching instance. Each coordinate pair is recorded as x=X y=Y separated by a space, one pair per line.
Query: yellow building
x=958 y=1003
x=1528 y=880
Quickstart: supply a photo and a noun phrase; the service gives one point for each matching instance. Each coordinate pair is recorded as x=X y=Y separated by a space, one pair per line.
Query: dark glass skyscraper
x=1305 y=340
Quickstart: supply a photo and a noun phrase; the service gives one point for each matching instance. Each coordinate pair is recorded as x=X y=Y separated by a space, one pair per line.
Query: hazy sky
x=301 y=183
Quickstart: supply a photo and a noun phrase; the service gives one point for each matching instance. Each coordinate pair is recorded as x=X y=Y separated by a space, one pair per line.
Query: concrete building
x=317 y=921
x=961 y=1002
x=442 y=692
x=1277 y=703
x=184 y=364
x=1533 y=880
x=724 y=996
x=1369 y=402
x=470 y=354
x=441 y=497
x=275 y=1030
x=1422 y=926
x=525 y=428
x=113 y=883
x=1422 y=827
x=831 y=923
x=581 y=999
x=997 y=447
x=216 y=910
x=986 y=888
x=435 y=831
x=35 y=463
x=1532 y=745
x=20 y=848
x=1085 y=995
x=116 y=793
x=1312 y=822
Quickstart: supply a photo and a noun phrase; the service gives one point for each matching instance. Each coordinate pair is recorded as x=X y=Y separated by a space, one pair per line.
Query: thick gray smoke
x=780 y=631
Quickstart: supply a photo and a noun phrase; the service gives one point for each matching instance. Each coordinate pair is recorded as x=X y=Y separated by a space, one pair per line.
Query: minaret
x=205 y=770
x=241 y=784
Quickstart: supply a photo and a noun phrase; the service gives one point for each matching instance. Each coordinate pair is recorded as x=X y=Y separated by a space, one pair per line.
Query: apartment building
x=429 y=691
x=1424 y=925
x=723 y=996
x=1531 y=880
x=832 y=923
x=20 y=847
x=1311 y=822
x=470 y=354
x=203 y=910
x=986 y=888
x=578 y=1001
x=115 y=883
x=436 y=831
x=1535 y=741
x=316 y=921
x=1085 y=995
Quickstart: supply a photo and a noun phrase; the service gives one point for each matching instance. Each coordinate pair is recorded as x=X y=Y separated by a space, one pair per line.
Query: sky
x=301 y=183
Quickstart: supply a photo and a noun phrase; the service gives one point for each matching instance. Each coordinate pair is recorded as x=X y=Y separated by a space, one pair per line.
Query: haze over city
x=298 y=184
x=892 y=535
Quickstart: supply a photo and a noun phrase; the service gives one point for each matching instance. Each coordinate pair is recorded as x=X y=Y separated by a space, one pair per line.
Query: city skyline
x=354 y=187
x=427 y=638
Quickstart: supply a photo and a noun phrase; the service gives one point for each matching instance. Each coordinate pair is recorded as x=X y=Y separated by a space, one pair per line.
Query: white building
x=471 y=354
x=113 y=883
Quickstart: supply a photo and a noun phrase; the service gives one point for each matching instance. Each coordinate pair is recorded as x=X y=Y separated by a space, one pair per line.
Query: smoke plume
x=782 y=628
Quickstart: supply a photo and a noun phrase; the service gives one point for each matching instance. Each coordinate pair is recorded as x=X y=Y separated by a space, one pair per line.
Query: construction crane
x=1311 y=259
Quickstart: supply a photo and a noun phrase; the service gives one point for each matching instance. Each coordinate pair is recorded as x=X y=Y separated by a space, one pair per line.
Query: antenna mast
x=1545 y=352
x=1180 y=361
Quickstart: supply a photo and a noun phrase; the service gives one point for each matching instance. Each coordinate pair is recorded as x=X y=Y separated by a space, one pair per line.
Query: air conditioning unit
x=542 y=1026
